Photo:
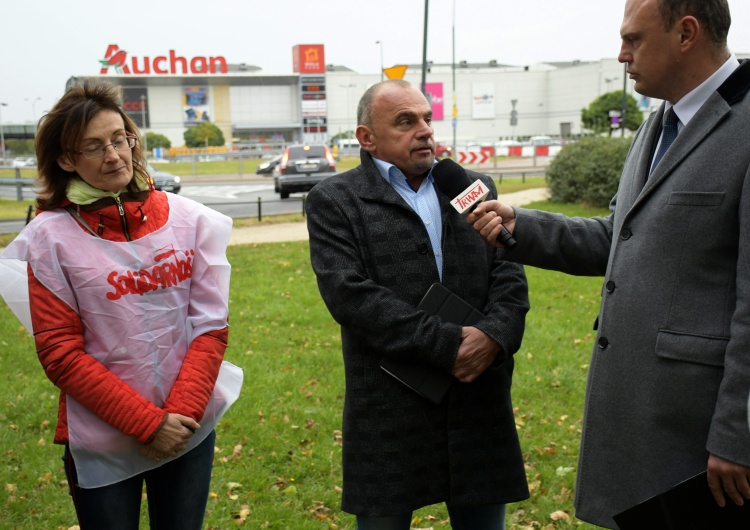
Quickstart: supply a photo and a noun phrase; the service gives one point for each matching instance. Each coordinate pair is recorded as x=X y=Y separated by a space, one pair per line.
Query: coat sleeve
x=198 y=373
x=507 y=300
x=208 y=315
x=729 y=437
x=573 y=245
x=58 y=333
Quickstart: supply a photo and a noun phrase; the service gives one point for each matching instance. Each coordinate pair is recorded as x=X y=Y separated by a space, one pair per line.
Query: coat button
x=626 y=233
x=603 y=342
x=422 y=248
x=610 y=286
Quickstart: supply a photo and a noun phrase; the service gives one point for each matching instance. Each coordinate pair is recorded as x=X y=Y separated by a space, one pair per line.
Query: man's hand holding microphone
x=489 y=218
x=468 y=197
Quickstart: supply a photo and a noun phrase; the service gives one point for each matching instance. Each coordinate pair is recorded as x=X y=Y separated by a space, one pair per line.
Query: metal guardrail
x=258 y=211
x=18 y=182
x=523 y=173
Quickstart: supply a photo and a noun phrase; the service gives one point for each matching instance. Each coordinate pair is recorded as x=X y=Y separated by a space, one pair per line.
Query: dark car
x=302 y=167
x=267 y=167
x=163 y=180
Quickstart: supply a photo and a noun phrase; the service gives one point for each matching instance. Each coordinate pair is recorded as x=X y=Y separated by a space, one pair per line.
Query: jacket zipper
x=123 y=219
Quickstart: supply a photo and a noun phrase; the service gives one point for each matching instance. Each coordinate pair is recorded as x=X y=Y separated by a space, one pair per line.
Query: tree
x=204 y=135
x=157 y=140
x=19 y=147
x=596 y=117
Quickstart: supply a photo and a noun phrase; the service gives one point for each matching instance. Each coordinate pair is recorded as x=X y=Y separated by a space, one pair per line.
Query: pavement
x=271 y=233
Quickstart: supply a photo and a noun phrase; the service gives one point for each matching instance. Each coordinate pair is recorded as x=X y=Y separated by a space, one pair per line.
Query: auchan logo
x=160 y=65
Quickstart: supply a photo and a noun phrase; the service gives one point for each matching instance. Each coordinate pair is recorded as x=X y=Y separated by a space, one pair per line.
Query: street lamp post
x=348 y=110
x=610 y=80
x=33 y=108
x=143 y=122
x=2 y=132
x=382 y=73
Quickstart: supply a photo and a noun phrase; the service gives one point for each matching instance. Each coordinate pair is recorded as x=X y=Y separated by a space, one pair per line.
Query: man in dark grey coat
x=380 y=235
x=670 y=375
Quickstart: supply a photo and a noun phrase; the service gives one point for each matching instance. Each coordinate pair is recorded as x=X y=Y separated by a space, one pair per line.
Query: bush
x=157 y=140
x=588 y=172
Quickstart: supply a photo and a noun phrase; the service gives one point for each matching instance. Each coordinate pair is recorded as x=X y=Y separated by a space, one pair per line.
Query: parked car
x=443 y=150
x=302 y=167
x=163 y=180
x=267 y=167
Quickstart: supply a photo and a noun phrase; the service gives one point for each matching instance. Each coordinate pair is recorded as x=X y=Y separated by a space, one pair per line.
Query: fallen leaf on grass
x=241 y=516
x=232 y=488
x=320 y=511
x=561 y=515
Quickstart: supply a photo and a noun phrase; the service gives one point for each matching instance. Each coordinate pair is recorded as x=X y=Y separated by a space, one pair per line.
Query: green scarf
x=81 y=192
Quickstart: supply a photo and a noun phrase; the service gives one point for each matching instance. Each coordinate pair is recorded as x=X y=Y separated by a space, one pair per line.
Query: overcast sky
x=44 y=42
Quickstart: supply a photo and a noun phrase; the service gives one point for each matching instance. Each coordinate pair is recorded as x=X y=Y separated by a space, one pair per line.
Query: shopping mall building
x=168 y=93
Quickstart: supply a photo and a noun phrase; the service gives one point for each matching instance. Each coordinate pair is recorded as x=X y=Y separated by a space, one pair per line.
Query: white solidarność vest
x=141 y=303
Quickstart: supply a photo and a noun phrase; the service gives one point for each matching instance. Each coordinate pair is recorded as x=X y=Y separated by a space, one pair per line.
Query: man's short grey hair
x=364 y=109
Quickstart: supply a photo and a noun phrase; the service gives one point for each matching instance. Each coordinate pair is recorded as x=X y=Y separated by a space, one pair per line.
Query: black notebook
x=423 y=379
x=687 y=506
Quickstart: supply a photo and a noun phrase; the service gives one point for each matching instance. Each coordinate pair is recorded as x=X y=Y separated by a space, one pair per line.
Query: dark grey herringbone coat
x=670 y=372
x=373 y=260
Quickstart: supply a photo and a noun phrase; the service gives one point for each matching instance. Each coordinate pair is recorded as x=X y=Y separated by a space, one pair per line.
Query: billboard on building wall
x=483 y=101
x=434 y=92
x=135 y=105
x=308 y=59
x=195 y=104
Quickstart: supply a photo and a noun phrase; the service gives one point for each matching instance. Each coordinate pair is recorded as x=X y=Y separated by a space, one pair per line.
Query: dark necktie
x=669 y=133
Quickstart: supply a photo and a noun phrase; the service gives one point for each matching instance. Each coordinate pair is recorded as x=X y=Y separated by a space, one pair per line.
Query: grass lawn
x=12 y=209
x=278 y=456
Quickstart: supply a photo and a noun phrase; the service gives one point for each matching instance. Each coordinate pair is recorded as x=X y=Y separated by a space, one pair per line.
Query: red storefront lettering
x=162 y=65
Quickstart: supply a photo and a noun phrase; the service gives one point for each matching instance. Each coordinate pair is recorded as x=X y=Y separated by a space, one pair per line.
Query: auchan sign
x=171 y=64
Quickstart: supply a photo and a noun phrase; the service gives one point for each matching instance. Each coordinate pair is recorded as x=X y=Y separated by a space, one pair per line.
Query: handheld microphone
x=451 y=179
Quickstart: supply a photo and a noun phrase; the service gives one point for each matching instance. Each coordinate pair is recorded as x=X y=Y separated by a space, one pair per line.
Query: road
x=235 y=198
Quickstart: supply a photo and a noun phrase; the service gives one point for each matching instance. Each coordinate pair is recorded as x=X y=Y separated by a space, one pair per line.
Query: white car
x=25 y=162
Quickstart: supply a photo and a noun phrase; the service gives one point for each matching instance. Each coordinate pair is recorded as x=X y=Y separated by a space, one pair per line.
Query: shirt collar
x=390 y=172
x=690 y=104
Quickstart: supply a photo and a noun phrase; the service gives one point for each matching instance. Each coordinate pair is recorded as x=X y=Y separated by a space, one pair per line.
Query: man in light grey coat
x=668 y=386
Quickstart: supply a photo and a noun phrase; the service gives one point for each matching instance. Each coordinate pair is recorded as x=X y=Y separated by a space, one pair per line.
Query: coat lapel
x=372 y=187
x=710 y=115
x=646 y=151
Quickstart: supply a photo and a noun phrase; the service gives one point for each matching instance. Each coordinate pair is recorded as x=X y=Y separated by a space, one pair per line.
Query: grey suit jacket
x=670 y=372
x=374 y=262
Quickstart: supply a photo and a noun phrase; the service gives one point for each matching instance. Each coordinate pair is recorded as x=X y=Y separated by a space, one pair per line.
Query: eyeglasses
x=119 y=144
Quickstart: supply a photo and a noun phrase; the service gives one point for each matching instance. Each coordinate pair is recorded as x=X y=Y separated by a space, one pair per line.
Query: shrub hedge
x=588 y=172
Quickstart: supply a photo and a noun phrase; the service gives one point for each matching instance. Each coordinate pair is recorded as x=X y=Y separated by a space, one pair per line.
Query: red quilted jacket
x=58 y=333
